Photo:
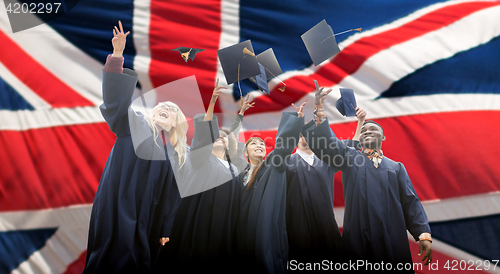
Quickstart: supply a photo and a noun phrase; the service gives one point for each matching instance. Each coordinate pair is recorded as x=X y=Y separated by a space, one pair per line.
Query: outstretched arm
x=287 y=136
x=320 y=136
x=236 y=126
x=361 y=115
x=118 y=86
x=210 y=110
x=319 y=97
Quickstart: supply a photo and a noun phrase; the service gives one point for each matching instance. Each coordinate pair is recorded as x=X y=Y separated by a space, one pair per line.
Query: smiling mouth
x=164 y=115
x=258 y=150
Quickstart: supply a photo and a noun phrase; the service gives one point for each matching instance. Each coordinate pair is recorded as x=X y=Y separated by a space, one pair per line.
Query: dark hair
x=373 y=122
x=232 y=145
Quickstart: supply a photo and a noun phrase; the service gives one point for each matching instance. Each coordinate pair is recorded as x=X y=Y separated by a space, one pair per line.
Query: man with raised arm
x=380 y=201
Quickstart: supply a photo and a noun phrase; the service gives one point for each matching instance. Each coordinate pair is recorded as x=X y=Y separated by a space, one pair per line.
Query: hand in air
x=300 y=109
x=320 y=94
x=119 y=40
x=245 y=104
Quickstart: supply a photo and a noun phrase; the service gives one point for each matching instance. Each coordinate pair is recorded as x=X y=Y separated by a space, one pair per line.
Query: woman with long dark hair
x=261 y=229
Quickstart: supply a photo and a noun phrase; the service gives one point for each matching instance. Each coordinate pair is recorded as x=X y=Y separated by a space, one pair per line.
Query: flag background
x=426 y=70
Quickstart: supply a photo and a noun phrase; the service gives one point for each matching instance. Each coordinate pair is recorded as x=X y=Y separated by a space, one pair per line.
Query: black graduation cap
x=187 y=53
x=238 y=62
x=320 y=42
x=346 y=105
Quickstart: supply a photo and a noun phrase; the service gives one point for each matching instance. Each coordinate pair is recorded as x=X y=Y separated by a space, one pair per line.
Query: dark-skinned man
x=380 y=201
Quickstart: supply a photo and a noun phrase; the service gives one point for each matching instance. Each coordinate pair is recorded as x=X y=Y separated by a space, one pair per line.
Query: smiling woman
x=137 y=197
x=168 y=117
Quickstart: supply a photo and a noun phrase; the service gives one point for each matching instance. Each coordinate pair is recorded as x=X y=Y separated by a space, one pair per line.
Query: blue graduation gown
x=203 y=234
x=313 y=234
x=136 y=199
x=261 y=230
x=380 y=203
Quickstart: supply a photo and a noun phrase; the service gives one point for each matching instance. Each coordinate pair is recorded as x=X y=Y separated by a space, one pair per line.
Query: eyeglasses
x=170 y=108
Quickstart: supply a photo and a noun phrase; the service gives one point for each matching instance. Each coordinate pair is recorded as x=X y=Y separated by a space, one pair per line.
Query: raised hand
x=319 y=94
x=217 y=91
x=245 y=104
x=119 y=40
x=360 y=114
x=210 y=110
x=300 y=109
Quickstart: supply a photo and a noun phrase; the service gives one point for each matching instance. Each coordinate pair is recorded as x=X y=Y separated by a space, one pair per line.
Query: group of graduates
x=223 y=205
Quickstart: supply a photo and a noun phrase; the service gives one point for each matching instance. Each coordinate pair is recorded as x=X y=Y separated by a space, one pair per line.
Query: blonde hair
x=178 y=137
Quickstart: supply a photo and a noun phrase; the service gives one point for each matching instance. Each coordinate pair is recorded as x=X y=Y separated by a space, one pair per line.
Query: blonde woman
x=137 y=197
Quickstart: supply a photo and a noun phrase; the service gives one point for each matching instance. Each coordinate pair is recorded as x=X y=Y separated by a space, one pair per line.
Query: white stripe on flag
x=44 y=118
x=380 y=108
x=142 y=59
x=380 y=70
x=63 y=59
x=31 y=97
x=451 y=209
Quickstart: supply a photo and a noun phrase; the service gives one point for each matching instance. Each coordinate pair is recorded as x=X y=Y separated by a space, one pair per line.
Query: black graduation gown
x=136 y=199
x=203 y=232
x=380 y=203
x=313 y=234
x=261 y=230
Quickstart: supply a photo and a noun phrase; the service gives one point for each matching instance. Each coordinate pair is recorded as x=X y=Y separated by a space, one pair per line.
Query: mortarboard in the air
x=270 y=63
x=187 y=53
x=238 y=62
x=320 y=42
x=261 y=79
x=269 y=68
x=346 y=105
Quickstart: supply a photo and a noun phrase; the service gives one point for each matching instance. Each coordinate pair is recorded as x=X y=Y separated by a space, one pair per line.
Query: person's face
x=165 y=116
x=371 y=136
x=256 y=149
x=302 y=143
x=222 y=142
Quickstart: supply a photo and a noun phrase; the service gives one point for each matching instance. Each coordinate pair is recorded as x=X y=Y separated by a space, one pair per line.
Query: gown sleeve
x=326 y=145
x=414 y=213
x=238 y=160
x=287 y=138
x=205 y=134
x=117 y=92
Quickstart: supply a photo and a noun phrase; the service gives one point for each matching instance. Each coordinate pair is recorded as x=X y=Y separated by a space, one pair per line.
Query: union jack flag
x=427 y=71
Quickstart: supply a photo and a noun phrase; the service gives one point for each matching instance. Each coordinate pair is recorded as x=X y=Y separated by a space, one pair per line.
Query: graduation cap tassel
x=358 y=29
x=248 y=52
x=185 y=55
x=282 y=89
x=241 y=94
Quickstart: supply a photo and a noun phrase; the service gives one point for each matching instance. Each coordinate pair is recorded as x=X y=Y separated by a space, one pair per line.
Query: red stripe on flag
x=445 y=154
x=351 y=58
x=52 y=167
x=177 y=24
x=41 y=81
x=77 y=266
